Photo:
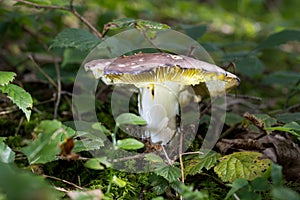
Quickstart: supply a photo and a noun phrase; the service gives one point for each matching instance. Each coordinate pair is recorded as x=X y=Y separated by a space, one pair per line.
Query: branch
x=70 y=9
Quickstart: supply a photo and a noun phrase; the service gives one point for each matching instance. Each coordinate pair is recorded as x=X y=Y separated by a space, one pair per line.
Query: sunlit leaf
x=129 y=118
x=247 y=165
x=6 y=154
x=130 y=144
x=197 y=163
x=86 y=195
x=50 y=134
x=75 y=38
x=119 y=182
x=93 y=163
x=170 y=173
x=20 y=97
x=6 y=77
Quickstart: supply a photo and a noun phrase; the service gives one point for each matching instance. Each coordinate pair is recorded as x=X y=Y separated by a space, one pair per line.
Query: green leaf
x=232 y=119
x=260 y=184
x=6 y=77
x=153 y=158
x=279 y=38
x=236 y=186
x=75 y=38
x=249 y=66
x=88 y=141
x=146 y=24
x=130 y=144
x=119 y=182
x=247 y=165
x=281 y=78
x=129 y=118
x=6 y=154
x=276 y=175
x=85 y=195
x=283 y=193
x=194 y=32
x=93 y=163
x=197 y=163
x=170 y=173
x=288 y=117
x=19 y=184
x=293 y=128
x=50 y=134
x=20 y=97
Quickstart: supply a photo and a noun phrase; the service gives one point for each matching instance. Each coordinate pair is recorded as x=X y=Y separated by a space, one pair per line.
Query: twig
x=42 y=71
x=64 y=181
x=180 y=156
x=70 y=9
x=83 y=20
x=58 y=96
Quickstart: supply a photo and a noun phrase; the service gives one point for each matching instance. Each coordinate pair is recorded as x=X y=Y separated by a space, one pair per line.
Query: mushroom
x=160 y=79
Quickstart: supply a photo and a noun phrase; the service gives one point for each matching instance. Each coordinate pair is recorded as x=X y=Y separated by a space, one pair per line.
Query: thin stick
x=58 y=96
x=64 y=181
x=86 y=22
x=42 y=71
x=70 y=9
x=180 y=156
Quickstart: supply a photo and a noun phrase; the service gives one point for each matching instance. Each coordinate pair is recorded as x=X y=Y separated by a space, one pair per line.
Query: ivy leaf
x=75 y=38
x=197 y=163
x=6 y=154
x=6 y=77
x=279 y=38
x=170 y=173
x=20 y=97
x=247 y=165
x=129 y=118
x=130 y=144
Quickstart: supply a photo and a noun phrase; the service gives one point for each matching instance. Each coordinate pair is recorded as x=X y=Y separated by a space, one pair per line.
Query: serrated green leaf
x=197 y=163
x=6 y=77
x=75 y=38
x=249 y=66
x=279 y=38
x=93 y=163
x=129 y=118
x=50 y=134
x=130 y=144
x=247 y=165
x=6 y=154
x=170 y=173
x=20 y=97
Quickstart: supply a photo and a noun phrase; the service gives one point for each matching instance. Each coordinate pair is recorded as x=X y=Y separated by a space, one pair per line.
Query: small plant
x=15 y=93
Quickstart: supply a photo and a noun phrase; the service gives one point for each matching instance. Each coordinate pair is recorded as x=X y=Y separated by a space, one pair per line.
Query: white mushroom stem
x=158 y=105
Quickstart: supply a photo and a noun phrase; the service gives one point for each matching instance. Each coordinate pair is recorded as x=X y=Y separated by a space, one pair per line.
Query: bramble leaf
x=197 y=163
x=20 y=97
x=6 y=77
x=75 y=38
x=247 y=165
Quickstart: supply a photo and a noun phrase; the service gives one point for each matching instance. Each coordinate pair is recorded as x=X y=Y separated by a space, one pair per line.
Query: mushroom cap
x=151 y=68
